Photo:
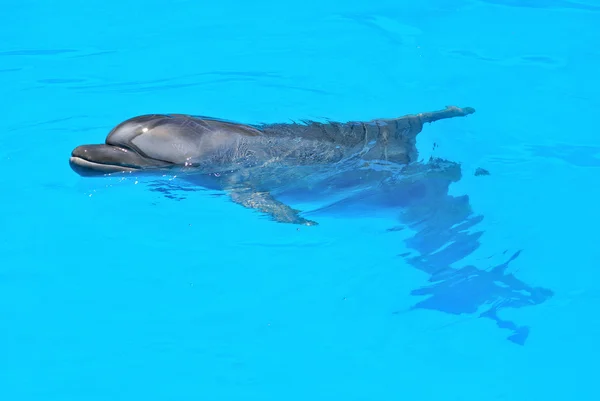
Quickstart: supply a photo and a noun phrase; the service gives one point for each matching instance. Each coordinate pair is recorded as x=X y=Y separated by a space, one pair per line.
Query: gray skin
x=250 y=161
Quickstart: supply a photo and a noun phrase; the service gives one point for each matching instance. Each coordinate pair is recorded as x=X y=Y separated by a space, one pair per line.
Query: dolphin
x=251 y=162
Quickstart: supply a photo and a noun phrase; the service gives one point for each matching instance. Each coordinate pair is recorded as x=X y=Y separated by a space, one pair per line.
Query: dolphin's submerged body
x=257 y=165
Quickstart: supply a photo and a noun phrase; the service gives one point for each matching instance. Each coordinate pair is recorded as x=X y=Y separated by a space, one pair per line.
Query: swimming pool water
x=131 y=288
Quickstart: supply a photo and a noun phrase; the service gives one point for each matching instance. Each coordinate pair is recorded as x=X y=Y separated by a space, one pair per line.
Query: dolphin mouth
x=101 y=159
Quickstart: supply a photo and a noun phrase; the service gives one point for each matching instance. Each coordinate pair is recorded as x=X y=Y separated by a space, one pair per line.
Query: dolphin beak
x=96 y=160
x=101 y=159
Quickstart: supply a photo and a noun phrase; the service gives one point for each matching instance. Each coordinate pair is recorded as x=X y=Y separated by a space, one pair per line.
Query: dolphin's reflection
x=445 y=233
x=444 y=228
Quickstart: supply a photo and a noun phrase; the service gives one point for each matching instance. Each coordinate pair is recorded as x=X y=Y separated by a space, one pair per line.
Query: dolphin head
x=125 y=149
x=155 y=141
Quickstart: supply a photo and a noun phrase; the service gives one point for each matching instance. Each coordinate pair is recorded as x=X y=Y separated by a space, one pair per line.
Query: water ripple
x=581 y=156
x=38 y=52
x=544 y=4
x=532 y=60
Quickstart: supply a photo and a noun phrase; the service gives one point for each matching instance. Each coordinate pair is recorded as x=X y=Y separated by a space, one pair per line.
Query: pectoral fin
x=264 y=202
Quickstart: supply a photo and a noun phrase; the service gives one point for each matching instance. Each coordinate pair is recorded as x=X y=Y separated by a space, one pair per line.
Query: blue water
x=130 y=289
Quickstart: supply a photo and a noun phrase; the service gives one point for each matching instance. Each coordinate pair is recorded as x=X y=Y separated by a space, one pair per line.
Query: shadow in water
x=444 y=234
x=443 y=238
